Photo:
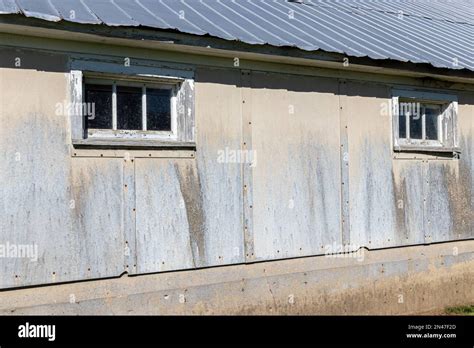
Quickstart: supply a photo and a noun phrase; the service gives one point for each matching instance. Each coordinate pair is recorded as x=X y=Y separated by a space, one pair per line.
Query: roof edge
x=206 y=45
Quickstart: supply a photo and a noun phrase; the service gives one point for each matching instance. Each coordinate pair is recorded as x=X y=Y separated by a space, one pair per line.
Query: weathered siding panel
x=219 y=127
x=167 y=238
x=401 y=201
x=463 y=208
x=450 y=208
x=96 y=221
x=372 y=205
x=91 y=217
x=70 y=208
x=407 y=203
x=189 y=211
x=438 y=215
x=296 y=178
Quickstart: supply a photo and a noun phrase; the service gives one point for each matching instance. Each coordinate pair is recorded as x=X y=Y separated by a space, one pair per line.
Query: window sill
x=122 y=143
x=423 y=149
x=421 y=152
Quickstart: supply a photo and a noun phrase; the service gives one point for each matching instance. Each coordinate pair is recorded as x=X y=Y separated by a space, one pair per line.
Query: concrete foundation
x=408 y=280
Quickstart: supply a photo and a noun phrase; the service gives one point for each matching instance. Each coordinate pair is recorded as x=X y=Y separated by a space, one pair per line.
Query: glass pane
x=99 y=106
x=158 y=109
x=416 y=126
x=402 y=126
x=431 y=117
x=129 y=108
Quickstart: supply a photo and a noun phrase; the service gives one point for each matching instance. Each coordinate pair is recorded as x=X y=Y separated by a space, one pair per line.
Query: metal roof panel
x=438 y=32
x=75 y=11
x=8 y=7
x=41 y=9
x=109 y=13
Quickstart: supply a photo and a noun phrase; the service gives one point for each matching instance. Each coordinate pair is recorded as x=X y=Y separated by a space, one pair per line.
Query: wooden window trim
x=447 y=127
x=182 y=118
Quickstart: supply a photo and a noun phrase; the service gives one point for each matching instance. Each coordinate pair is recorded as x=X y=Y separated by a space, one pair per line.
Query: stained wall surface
x=320 y=171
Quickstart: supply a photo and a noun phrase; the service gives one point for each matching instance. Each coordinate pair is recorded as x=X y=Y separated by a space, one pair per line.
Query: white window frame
x=447 y=122
x=182 y=112
x=143 y=133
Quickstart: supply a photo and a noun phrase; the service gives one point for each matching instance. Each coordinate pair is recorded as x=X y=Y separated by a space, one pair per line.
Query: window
x=419 y=121
x=130 y=108
x=133 y=110
x=424 y=121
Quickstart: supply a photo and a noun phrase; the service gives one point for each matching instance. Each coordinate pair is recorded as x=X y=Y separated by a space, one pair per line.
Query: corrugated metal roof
x=438 y=32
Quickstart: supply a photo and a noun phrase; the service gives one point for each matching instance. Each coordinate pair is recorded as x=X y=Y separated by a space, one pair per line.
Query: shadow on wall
x=33 y=60
x=19 y=58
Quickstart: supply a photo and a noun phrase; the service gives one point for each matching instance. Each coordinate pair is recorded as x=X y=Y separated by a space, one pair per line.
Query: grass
x=461 y=310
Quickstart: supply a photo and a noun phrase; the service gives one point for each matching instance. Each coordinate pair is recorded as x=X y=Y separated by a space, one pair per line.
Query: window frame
x=447 y=122
x=128 y=133
x=182 y=112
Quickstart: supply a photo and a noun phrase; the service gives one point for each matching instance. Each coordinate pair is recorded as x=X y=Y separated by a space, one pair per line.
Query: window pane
x=158 y=112
x=416 y=126
x=100 y=107
x=431 y=116
x=402 y=126
x=129 y=108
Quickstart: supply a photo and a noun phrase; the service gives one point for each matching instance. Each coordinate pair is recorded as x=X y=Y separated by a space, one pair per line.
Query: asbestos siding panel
x=386 y=194
x=218 y=103
x=449 y=211
x=189 y=211
x=465 y=216
x=296 y=179
x=167 y=238
x=407 y=182
x=372 y=195
x=70 y=208
x=393 y=201
x=438 y=215
x=450 y=193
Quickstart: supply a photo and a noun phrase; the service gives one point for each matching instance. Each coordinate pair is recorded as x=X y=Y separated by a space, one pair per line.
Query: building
x=321 y=152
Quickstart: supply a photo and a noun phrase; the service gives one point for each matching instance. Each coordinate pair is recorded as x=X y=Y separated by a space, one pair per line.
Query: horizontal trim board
x=126 y=153
x=423 y=95
x=138 y=143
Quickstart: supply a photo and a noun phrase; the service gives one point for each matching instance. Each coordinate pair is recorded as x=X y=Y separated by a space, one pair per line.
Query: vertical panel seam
x=247 y=169
x=344 y=163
